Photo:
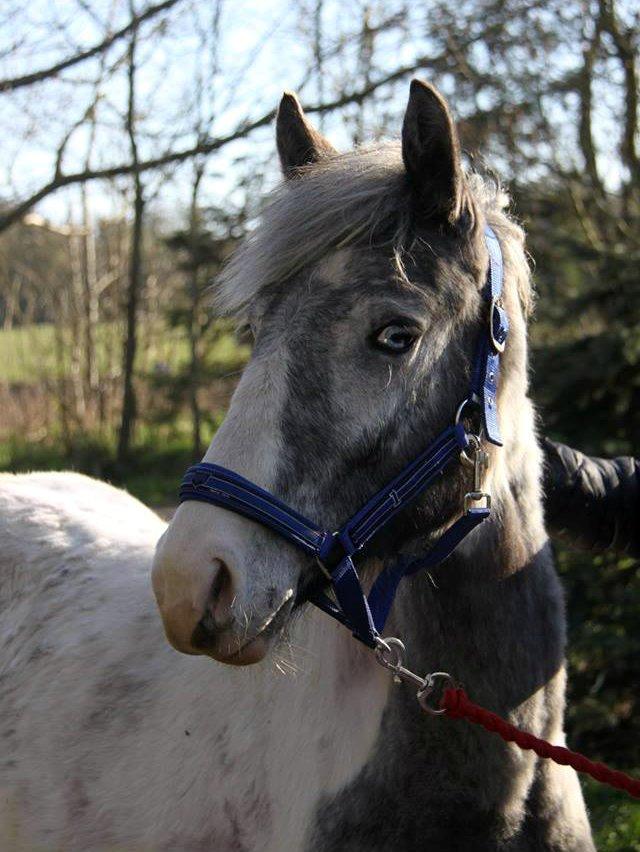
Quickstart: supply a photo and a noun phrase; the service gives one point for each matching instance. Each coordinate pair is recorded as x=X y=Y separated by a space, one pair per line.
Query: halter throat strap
x=365 y=615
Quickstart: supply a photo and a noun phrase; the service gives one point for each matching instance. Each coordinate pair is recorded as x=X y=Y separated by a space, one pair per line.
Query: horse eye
x=245 y=334
x=396 y=338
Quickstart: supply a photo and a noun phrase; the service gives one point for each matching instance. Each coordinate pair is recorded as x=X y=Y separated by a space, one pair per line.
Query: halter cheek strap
x=486 y=371
x=365 y=615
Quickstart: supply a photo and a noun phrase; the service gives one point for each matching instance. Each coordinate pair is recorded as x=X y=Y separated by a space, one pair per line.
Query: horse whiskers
x=243 y=617
x=246 y=617
x=283 y=656
x=292 y=646
x=286 y=666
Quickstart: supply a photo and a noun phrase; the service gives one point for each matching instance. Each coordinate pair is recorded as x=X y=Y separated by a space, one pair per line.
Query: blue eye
x=396 y=338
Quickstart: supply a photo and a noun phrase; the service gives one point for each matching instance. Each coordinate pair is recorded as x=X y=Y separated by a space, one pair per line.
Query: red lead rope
x=457 y=705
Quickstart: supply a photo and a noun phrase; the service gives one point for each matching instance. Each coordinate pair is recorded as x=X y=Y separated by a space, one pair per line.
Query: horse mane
x=357 y=198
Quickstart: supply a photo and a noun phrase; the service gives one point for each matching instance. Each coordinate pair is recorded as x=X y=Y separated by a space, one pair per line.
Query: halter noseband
x=366 y=616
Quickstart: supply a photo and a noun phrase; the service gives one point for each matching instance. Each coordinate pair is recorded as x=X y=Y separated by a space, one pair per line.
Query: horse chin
x=247 y=655
x=242 y=649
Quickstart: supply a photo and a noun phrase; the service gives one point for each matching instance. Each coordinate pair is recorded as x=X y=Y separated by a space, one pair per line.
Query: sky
x=262 y=52
x=38 y=118
x=264 y=48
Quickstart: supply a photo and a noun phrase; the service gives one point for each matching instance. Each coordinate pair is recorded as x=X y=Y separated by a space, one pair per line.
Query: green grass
x=614 y=816
x=162 y=449
x=161 y=454
x=29 y=354
x=152 y=475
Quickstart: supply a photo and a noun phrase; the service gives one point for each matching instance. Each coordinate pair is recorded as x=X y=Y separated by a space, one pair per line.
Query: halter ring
x=390 y=652
x=468 y=400
x=427 y=691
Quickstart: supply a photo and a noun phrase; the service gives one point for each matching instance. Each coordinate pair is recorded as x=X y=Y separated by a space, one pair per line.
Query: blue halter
x=366 y=616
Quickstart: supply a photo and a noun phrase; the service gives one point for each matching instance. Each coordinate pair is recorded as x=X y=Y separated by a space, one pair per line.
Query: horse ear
x=298 y=142
x=431 y=154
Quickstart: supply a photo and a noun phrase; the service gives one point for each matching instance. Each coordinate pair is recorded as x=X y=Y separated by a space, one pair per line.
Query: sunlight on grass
x=28 y=353
x=32 y=353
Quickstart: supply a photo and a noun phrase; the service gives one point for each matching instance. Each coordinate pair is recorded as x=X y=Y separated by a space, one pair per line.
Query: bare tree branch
x=208 y=146
x=625 y=50
x=11 y=84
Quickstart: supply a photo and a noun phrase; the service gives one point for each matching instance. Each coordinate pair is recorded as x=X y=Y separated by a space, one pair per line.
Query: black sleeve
x=592 y=503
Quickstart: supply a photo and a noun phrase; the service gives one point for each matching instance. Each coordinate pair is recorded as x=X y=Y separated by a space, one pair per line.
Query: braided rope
x=457 y=705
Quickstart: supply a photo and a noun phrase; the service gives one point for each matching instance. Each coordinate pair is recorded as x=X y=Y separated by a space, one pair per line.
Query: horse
x=361 y=287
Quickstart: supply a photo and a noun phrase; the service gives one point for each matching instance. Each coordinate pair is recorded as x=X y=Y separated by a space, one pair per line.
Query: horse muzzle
x=208 y=603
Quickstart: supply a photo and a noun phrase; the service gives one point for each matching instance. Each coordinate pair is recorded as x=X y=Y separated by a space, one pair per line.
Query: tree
x=202 y=249
x=134 y=289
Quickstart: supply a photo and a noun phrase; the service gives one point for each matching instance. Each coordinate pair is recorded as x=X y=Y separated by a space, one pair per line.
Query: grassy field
x=28 y=359
x=29 y=354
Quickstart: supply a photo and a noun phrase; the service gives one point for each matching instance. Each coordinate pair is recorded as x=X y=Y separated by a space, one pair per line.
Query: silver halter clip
x=478 y=459
x=391 y=653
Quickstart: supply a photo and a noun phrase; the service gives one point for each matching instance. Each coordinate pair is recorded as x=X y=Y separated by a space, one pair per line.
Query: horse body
x=111 y=740
x=362 y=286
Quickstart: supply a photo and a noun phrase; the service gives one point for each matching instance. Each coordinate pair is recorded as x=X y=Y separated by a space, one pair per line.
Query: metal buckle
x=480 y=462
x=498 y=345
x=473 y=497
x=390 y=653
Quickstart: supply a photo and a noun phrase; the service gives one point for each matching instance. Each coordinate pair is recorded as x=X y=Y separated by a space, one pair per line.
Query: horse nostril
x=218 y=614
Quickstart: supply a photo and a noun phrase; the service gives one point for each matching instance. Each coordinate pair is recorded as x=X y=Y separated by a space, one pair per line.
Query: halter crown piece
x=366 y=616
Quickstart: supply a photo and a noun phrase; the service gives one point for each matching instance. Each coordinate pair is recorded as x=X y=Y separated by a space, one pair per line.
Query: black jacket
x=592 y=503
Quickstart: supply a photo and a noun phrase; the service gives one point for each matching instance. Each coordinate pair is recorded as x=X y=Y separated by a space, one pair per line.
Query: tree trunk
x=134 y=289
x=585 y=127
x=194 y=329
x=318 y=55
x=90 y=299
x=626 y=52
x=129 y=410
x=75 y=319
x=365 y=66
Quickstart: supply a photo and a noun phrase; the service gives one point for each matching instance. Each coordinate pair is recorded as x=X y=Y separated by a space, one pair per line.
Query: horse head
x=361 y=287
